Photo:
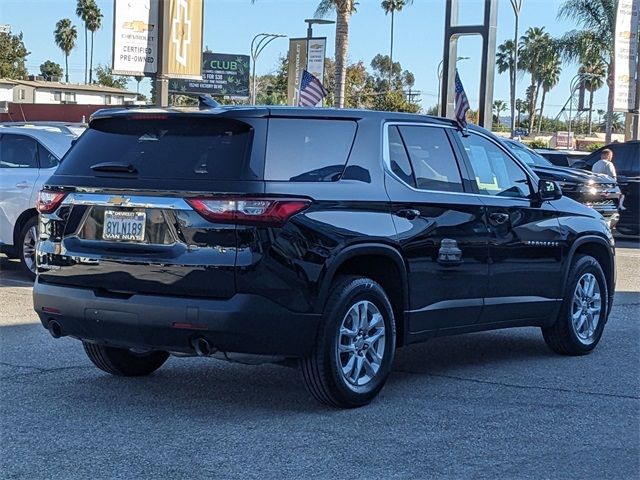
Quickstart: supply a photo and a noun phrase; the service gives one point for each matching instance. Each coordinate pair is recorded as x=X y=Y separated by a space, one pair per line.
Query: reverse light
x=49 y=201
x=262 y=211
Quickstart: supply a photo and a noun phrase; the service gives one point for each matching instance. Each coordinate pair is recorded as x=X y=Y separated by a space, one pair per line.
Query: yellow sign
x=182 y=53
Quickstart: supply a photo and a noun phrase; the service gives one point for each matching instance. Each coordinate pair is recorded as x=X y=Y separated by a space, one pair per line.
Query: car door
x=18 y=176
x=626 y=158
x=525 y=269
x=440 y=227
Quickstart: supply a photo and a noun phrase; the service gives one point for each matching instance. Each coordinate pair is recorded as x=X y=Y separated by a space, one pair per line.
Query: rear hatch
x=148 y=203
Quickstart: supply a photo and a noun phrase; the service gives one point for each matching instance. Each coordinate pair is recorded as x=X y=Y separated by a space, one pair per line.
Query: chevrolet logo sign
x=118 y=201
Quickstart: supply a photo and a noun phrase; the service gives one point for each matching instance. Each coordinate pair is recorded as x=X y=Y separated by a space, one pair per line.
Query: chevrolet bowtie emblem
x=118 y=200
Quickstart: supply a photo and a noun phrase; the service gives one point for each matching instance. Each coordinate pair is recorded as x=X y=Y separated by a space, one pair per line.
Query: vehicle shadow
x=627 y=241
x=11 y=273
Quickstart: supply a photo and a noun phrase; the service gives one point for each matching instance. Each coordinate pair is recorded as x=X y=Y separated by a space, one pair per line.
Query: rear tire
x=123 y=362
x=582 y=317
x=26 y=247
x=354 y=350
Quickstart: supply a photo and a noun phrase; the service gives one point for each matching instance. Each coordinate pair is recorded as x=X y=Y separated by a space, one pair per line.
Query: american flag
x=462 y=103
x=311 y=90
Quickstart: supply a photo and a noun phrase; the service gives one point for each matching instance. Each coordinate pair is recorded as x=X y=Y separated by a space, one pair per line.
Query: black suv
x=599 y=192
x=330 y=236
x=626 y=158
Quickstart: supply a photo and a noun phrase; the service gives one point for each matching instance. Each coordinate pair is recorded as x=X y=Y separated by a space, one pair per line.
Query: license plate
x=124 y=225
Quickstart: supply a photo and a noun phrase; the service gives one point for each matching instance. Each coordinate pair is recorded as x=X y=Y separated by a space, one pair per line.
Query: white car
x=28 y=157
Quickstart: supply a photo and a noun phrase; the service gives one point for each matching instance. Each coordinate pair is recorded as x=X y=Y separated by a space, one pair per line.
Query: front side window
x=18 y=151
x=495 y=172
x=47 y=159
x=432 y=158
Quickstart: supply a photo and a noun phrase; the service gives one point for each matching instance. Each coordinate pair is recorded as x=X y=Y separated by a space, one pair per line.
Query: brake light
x=49 y=201
x=263 y=211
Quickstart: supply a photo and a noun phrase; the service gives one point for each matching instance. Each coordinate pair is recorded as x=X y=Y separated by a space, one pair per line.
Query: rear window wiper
x=114 y=167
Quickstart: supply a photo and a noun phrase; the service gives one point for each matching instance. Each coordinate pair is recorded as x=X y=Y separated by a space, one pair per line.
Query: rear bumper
x=244 y=323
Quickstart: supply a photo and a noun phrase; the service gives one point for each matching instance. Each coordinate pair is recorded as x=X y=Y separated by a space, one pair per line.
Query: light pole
x=439 y=69
x=317 y=21
x=573 y=86
x=517 y=6
x=258 y=44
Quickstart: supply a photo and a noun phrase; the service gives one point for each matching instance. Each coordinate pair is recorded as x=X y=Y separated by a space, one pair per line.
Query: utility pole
x=517 y=6
x=162 y=81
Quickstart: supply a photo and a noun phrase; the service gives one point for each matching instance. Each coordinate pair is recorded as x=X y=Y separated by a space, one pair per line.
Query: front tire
x=355 y=347
x=584 y=310
x=123 y=362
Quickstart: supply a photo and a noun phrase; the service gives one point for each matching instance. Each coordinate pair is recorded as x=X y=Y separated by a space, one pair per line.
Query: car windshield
x=528 y=156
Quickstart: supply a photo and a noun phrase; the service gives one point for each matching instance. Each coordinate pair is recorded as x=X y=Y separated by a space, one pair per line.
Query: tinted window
x=495 y=172
x=300 y=150
x=432 y=158
x=47 y=159
x=527 y=156
x=398 y=158
x=180 y=147
x=18 y=151
x=626 y=158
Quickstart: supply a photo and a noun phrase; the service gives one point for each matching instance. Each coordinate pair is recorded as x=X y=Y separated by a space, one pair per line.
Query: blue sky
x=231 y=24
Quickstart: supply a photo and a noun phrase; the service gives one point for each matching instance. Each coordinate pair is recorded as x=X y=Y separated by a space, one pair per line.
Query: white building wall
x=6 y=93
x=81 y=98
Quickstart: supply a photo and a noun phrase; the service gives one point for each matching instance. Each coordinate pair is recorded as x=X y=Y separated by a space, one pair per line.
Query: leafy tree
x=391 y=7
x=389 y=83
x=597 y=18
x=94 y=22
x=13 y=55
x=107 y=79
x=50 y=69
x=65 y=36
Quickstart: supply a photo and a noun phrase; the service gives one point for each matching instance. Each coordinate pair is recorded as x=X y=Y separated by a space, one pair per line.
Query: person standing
x=605 y=165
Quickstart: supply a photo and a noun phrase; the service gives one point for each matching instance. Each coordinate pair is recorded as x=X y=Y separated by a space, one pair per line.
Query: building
x=37 y=90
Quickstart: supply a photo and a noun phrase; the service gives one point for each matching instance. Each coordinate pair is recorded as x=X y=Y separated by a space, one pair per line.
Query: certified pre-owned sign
x=224 y=75
x=135 y=39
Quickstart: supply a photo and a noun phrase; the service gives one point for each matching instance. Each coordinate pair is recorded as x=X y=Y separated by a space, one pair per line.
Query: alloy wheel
x=29 y=248
x=586 y=308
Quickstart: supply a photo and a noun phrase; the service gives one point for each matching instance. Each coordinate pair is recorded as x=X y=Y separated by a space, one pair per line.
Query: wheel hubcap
x=586 y=308
x=360 y=346
x=29 y=248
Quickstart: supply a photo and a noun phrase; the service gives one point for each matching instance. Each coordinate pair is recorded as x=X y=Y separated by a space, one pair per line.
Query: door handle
x=408 y=213
x=23 y=185
x=499 y=218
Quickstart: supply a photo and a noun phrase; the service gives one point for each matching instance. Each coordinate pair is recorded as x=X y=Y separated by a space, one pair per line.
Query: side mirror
x=548 y=190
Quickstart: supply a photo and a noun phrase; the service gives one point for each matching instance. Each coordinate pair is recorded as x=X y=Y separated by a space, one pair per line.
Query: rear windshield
x=308 y=150
x=179 y=147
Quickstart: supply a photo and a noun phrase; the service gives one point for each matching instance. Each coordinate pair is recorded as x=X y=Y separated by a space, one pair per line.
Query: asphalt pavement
x=485 y=405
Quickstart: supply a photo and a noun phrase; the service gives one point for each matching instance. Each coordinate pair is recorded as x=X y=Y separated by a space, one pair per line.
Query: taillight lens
x=262 y=211
x=49 y=201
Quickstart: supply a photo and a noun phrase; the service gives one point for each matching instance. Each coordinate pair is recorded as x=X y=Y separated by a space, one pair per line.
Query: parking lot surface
x=486 y=405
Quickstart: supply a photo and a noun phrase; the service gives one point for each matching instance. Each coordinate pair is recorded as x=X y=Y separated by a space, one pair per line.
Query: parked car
x=69 y=128
x=626 y=158
x=599 y=192
x=28 y=157
x=330 y=236
x=561 y=158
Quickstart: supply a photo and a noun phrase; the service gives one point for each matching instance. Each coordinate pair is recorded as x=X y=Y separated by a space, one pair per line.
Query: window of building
x=107 y=99
x=69 y=96
x=22 y=94
x=57 y=96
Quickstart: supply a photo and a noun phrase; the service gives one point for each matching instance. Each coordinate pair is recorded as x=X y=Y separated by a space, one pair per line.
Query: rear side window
x=47 y=159
x=398 y=158
x=308 y=150
x=432 y=158
x=180 y=148
x=626 y=158
x=18 y=151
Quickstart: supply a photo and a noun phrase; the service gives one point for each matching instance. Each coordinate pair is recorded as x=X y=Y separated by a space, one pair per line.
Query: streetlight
x=573 y=86
x=440 y=80
x=258 y=44
x=317 y=21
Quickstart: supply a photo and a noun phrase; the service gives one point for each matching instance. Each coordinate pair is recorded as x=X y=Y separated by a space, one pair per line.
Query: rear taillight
x=264 y=211
x=49 y=201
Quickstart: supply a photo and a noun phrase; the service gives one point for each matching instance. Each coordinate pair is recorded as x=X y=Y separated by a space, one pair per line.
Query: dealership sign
x=304 y=54
x=224 y=75
x=135 y=37
x=626 y=52
x=182 y=46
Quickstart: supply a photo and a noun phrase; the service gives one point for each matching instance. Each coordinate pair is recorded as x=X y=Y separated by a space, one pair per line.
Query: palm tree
x=393 y=6
x=597 y=18
x=499 y=106
x=65 y=36
x=535 y=47
x=550 y=75
x=521 y=107
x=505 y=61
x=593 y=80
x=343 y=9
x=82 y=10
x=94 y=22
